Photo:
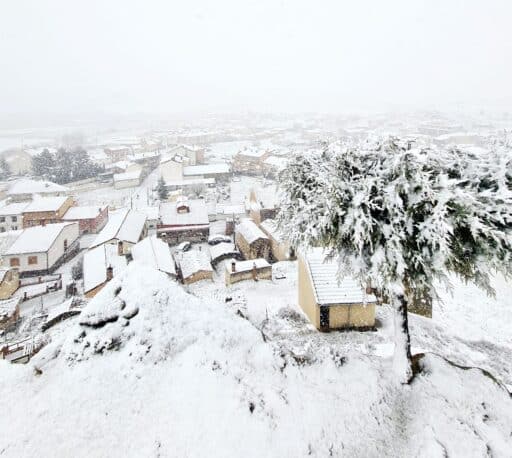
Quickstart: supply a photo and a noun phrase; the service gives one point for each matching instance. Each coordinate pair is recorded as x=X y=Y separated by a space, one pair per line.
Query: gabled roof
x=154 y=252
x=37 y=239
x=198 y=214
x=96 y=262
x=249 y=231
x=45 y=204
x=194 y=261
x=87 y=212
x=28 y=186
x=328 y=288
x=13 y=209
x=124 y=224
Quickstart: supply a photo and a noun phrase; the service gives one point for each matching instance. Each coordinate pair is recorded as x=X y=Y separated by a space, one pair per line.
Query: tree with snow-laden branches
x=401 y=220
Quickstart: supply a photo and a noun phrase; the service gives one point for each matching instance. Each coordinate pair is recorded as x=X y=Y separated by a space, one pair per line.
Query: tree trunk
x=402 y=360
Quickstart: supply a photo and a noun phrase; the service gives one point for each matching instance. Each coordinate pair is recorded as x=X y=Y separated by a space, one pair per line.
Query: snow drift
x=150 y=370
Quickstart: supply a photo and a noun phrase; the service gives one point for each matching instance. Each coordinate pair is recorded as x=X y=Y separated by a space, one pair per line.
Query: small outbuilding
x=254 y=269
x=194 y=265
x=252 y=242
x=331 y=302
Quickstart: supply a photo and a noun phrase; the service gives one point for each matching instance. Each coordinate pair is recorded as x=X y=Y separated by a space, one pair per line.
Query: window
x=2 y=219
x=32 y=260
x=14 y=262
x=14 y=219
x=15 y=228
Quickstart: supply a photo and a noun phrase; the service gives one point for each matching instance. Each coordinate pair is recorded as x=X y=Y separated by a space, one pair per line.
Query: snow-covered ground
x=155 y=371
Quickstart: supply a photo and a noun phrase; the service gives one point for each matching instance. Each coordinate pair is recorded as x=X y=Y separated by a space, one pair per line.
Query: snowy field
x=180 y=374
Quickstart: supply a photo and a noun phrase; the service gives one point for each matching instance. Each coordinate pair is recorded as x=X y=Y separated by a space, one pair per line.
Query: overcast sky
x=291 y=55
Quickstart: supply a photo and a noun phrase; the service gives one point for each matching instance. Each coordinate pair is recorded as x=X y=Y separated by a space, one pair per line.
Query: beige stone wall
x=37 y=218
x=351 y=316
x=258 y=249
x=307 y=301
x=201 y=275
x=264 y=273
x=10 y=284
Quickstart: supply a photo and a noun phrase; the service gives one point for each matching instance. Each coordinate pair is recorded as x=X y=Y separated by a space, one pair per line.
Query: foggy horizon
x=128 y=58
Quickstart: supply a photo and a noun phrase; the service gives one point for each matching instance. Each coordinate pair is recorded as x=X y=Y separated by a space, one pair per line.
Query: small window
x=14 y=262
x=15 y=228
x=32 y=260
x=14 y=219
x=2 y=219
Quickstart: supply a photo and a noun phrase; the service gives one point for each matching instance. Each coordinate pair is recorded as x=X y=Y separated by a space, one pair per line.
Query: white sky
x=291 y=55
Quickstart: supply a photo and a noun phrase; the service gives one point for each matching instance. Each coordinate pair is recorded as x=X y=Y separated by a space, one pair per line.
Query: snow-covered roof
x=270 y=227
x=154 y=252
x=126 y=176
x=13 y=209
x=223 y=209
x=245 y=266
x=96 y=262
x=252 y=152
x=7 y=239
x=46 y=204
x=329 y=289
x=86 y=212
x=198 y=214
x=124 y=224
x=191 y=170
x=222 y=249
x=249 y=231
x=152 y=213
x=59 y=310
x=268 y=196
x=37 y=239
x=194 y=261
x=190 y=182
x=28 y=186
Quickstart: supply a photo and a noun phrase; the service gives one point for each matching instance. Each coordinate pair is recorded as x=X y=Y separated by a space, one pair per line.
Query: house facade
x=184 y=220
x=251 y=240
x=90 y=219
x=40 y=250
x=11 y=216
x=46 y=210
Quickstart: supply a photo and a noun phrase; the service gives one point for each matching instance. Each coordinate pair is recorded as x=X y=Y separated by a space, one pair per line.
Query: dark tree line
x=65 y=166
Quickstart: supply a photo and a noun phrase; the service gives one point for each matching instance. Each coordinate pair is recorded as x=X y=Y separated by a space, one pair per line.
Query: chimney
x=120 y=248
x=233 y=266
x=110 y=273
x=254 y=271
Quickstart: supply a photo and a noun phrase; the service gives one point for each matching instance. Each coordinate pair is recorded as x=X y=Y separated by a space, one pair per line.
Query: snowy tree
x=43 y=164
x=161 y=189
x=401 y=220
x=77 y=270
x=5 y=169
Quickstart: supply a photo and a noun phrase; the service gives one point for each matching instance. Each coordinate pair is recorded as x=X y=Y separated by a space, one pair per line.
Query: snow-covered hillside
x=150 y=370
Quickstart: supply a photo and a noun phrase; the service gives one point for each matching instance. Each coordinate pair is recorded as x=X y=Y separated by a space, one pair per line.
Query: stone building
x=194 y=265
x=254 y=269
x=46 y=210
x=90 y=219
x=279 y=246
x=251 y=240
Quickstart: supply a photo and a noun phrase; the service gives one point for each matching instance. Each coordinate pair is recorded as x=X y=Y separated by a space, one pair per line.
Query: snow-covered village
x=202 y=258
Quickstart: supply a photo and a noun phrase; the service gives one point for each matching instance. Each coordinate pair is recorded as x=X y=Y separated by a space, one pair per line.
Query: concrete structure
x=328 y=302
x=279 y=246
x=101 y=264
x=90 y=219
x=124 y=228
x=9 y=282
x=40 y=250
x=251 y=240
x=184 y=220
x=46 y=210
x=11 y=216
x=254 y=269
x=221 y=172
